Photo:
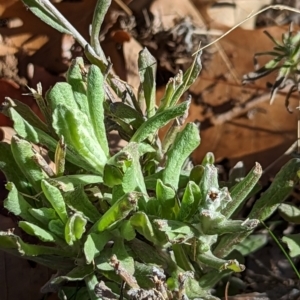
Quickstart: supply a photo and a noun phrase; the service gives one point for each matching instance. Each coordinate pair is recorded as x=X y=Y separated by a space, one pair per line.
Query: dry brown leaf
x=39 y=43
x=267 y=131
x=131 y=51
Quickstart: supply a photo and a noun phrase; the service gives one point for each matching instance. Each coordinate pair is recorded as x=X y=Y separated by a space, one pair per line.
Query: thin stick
x=124 y=7
x=277 y=7
x=221 y=51
x=226 y=290
x=282 y=249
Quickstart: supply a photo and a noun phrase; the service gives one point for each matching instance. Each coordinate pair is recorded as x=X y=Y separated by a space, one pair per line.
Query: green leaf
x=67 y=292
x=189 y=78
x=143 y=274
x=56 y=199
x=252 y=243
x=79 y=89
x=23 y=155
x=57 y=227
x=133 y=179
x=281 y=187
x=46 y=16
x=165 y=195
x=17 y=110
x=210 y=260
x=127 y=114
x=181 y=257
x=190 y=202
x=16 y=204
x=96 y=98
x=196 y=174
x=78 y=201
x=169 y=91
x=209 y=182
x=112 y=175
x=37 y=231
x=75 y=227
x=221 y=226
x=293 y=243
x=13 y=244
x=61 y=94
x=242 y=189
x=125 y=259
x=209 y=159
x=150 y=180
x=98 y=17
x=289 y=212
x=142 y=224
x=11 y=170
x=176 y=231
x=76 y=274
x=148 y=254
x=127 y=231
x=39 y=99
x=80 y=179
x=79 y=136
x=118 y=211
x=43 y=214
x=94 y=244
x=171 y=135
x=70 y=182
x=195 y=290
x=147 y=71
x=186 y=141
x=159 y=120
x=165 y=200
x=37 y=136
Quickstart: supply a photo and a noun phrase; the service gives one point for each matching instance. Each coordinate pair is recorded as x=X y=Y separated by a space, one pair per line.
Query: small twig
x=31 y=197
x=277 y=7
x=226 y=290
x=222 y=53
x=124 y=7
x=227 y=63
x=283 y=250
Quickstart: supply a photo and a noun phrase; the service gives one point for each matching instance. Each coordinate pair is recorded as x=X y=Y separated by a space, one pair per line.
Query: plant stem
x=282 y=249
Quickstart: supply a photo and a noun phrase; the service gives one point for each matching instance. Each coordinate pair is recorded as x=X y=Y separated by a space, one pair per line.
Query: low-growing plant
x=143 y=223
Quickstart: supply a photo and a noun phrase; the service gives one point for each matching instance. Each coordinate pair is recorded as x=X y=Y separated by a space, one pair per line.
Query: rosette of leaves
x=141 y=223
x=286 y=62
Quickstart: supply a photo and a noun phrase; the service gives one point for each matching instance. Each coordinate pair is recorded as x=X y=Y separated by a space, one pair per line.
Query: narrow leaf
x=96 y=98
x=186 y=141
x=159 y=120
x=75 y=227
x=37 y=231
x=56 y=199
x=147 y=71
